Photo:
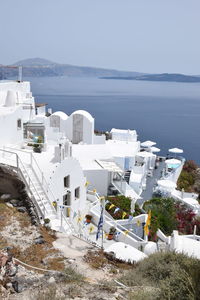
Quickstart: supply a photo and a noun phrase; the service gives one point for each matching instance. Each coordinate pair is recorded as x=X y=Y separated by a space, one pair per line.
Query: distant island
x=39 y=67
x=160 y=77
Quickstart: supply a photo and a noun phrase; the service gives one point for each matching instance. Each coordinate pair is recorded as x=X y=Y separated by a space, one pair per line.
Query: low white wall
x=99 y=139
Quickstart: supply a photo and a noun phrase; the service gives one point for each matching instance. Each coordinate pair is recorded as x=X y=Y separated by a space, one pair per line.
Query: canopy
x=175 y=150
x=126 y=252
x=148 y=144
x=173 y=161
x=166 y=183
x=155 y=149
x=145 y=154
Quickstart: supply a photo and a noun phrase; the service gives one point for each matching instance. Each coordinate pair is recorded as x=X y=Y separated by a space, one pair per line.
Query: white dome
x=150 y=248
x=60 y=114
x=84 y=113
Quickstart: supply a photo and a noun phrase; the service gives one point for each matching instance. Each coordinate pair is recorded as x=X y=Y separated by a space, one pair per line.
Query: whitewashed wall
x=69 y=166
x=9 y=132
x=98 y=179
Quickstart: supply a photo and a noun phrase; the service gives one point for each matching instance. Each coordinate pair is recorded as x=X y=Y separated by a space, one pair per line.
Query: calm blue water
x=167 y=113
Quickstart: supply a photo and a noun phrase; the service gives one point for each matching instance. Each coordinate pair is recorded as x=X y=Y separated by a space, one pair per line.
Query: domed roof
x=60 y=114
x=84 y=113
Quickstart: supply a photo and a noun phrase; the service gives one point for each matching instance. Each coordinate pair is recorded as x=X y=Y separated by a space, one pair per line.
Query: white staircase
x=37 y=188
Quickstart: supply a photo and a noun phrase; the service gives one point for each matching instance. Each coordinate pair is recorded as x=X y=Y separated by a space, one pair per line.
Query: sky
x=151 y=36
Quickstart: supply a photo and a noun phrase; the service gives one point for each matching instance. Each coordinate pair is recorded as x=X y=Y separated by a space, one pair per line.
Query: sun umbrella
x=175 y=150
x=155 y=149
x=145 y=154
x=167 y=183
x=148 y=144
x=173 y=161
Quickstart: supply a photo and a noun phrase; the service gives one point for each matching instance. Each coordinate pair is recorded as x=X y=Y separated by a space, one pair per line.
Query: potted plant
x=37 y=148
x=88 y=219
x=111 y=233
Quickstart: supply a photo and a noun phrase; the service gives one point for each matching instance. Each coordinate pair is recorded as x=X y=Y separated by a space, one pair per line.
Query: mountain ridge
x=40 y=67
x=49 y=68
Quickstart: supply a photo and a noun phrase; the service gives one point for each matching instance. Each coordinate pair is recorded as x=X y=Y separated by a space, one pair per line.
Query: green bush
x=189 y=177
x=176 y=276
x=163 y=215
x=72 y=275
x=124 y=203
x=186 y=181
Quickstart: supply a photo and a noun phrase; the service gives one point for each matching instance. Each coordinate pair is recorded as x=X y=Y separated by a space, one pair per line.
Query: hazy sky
x=138 y=35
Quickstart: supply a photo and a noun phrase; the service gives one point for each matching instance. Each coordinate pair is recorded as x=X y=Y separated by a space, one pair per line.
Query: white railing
x=134 y=240
x=17 y=163
x=30 y=159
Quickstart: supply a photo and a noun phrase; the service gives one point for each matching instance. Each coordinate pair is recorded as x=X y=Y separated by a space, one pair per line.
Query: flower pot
x=110 y=236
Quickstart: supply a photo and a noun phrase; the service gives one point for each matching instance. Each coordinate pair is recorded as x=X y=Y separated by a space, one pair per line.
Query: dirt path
x=74 y=249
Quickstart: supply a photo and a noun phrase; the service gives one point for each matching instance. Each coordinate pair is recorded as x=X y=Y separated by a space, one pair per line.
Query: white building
x=54 y=177
x=60 y=158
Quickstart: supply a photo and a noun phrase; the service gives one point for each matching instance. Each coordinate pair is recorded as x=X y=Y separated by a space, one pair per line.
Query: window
x=67 y=199
x=67 y=181
x=19 y=124
x=77 y=192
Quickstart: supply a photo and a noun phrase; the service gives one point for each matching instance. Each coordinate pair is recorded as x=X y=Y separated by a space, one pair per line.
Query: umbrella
x=148 y=144
x=173 y=161
x=166 y=183
x=145 y=154
x=155 y=149
x=175 y=150
x=125 y=252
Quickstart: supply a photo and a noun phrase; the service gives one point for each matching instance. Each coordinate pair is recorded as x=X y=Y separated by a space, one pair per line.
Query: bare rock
x=51 y=280
x=39 y=240
x=22 y=209
x=8 y=285
x=14 y=202
x=9 y=205
x=12 y=270
x=16 y=286
x=5 y=197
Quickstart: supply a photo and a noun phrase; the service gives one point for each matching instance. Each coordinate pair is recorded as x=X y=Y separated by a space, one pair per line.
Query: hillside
x=39 y=67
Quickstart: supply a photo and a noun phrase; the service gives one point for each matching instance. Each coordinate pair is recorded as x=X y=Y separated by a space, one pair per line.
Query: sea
x=167 y=113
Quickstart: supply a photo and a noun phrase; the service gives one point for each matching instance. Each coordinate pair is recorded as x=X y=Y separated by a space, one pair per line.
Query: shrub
x=163 y=215
x=124 y=203
x=175 y=275
x=71 y=275
x=189 y=177
x=190 y=166
x=168 y=215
